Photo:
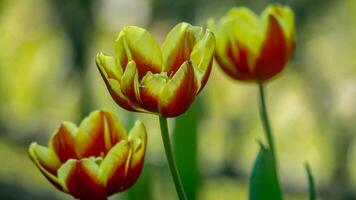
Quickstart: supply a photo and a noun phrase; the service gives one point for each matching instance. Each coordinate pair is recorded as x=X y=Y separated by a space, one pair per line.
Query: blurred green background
x=48 y=74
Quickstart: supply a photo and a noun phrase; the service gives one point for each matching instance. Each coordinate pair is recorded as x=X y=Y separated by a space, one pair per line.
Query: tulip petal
x=285 y=17
x=244 y=26
x=79 y=178
x=114 y=87
x=112 y=172
x=178 y=46
x=130 y=83
x=239 y=55
x=98 y=133
x=46 y=161
x=137 y=44
x=245 y=36
x=234 y=57
x=273 y=55
x=150 y=89
x=202 y=57
x=63 y=141
x=138 y=141
x=221 y=49
x=108 y=64
x=90 y=136
x=179 y=92
x=113 y=130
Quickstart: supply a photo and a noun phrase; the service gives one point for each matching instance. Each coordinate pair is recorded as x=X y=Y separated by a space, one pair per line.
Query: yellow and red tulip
x=254 y=48
x=94 y=160
x=146 y=77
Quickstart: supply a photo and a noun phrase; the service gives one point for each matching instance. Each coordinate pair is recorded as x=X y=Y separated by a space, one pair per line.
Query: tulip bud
x=254 y=48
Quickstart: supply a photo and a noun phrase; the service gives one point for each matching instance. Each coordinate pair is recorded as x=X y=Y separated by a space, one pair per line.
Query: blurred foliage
x=264 y=183
x=185 y=136
x=48 y=74
x=311 y=184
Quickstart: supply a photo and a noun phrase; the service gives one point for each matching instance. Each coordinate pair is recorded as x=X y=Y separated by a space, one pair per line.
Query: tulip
x=94 y=160
x=254 y=48
x=144 y=77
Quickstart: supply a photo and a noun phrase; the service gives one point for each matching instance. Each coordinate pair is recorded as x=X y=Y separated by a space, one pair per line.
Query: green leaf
x=264 y=183
x=311 y=186
x=185 y=149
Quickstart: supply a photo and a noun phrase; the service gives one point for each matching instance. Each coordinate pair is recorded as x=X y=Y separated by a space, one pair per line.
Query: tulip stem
x=171 y=162
x=265 y=121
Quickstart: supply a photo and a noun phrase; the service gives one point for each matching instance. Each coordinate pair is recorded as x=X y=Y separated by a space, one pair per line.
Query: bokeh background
x=48 y=74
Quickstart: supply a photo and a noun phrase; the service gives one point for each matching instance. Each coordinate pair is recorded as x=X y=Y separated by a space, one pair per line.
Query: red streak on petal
x=129 y=92
x=274 y=53
x=63 y=144
x=123 y=61
x=119 y=181
x=148 y=100
x=116 y=182
x=96 y=143
x=240 y=59
x=133 y=174
x=183 y=97
x=233 y=73
x=81 y=184
x=182 y=55
x=115 y=137
x=144 y=66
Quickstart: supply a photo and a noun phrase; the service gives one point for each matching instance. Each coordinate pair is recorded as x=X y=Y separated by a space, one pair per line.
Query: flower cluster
x=94 y=160
x=98 y=158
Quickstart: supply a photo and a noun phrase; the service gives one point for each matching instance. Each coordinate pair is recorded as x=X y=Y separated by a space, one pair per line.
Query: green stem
x=171 y=162
x=265 y=121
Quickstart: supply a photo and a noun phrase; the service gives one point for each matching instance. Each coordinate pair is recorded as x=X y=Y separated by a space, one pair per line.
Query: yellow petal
x=112 y=172
x=150 y=89
x=178 y=46
x=244 y=26
x=229 y=48
x=108 y=65
x=135 y=160
x=285 y=17
x=137 y=44
x=79 y=178
x=113 y=84
x=119 y=97
x=123 y=164
x=179 y=92
x=46 y=161
x=138 y=140
x=221 y=49
x=202 y=57
x=130 y=83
